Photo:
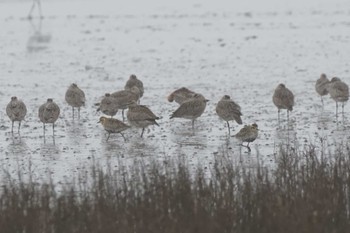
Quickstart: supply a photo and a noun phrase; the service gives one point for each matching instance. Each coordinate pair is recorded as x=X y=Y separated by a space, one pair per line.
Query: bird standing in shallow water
x=339 y=91
x=134 y=81
x=283 y=98
x=181 y=95
x=16 y=110
x=248 y=134
x=108 y=105
x=228 y=110
x=125 y=97
x=75 y=97
x=141 y=116
x=191 y=108
x=48 y=113
x=321 y=86
x=113 y=126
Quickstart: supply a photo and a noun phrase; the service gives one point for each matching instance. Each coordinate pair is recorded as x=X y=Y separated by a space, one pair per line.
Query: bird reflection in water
x=38 y=41
x=38 y=4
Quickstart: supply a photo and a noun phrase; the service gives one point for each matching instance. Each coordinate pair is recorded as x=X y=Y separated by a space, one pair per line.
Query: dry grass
x=304 y=193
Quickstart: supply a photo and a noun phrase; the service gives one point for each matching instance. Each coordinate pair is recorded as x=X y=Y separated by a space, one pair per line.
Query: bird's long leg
x=143 y=129
x=278 y=116
x=288 y=117
x=109 y=134
x=342 y=108
x=123 y=136
x=19 y=126
x=336 y=109
x=322 y=101
x=73 y=112
x=123 y=114
x=12 y=126
x=53 y=129
x=78 y=112
x=193 y=124
x=228 y=126
x=249 y=150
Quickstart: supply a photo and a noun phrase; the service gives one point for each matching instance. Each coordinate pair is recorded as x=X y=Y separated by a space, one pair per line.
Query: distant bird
x=108 y=105
x=248 y=134
x=321 y=86
x=112 y=125
x=75 y=97
x=181 y=95
x=141 y=116
x=228 y=110
x=339 y=91
x=125 y=97
x=191 y=108
x=283 y=98
x=48 y=113
x=134 y=81
x=16 y=111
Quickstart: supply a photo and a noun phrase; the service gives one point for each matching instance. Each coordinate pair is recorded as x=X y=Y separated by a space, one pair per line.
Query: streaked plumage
x=16 y=110
x=108 y=105
x=49 y=113
x=339 y=91
x=141 y=116
x=134 y=81
x=248 y=134
x=125 y=97
x=75 y=97
x=283 y=98
x=181 y=95
x=112 y=125
x=191 y=108
x=228 y=110
x=321 y=86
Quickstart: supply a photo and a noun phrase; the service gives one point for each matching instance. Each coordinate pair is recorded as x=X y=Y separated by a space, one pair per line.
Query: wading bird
x=16 y=110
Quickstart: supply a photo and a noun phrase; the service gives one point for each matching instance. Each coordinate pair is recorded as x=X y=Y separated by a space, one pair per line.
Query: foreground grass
x=304 y=193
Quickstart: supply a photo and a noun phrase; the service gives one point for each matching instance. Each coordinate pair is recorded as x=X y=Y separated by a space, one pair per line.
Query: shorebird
x=321 y=86
x=339 y=91
x=134 y=81
x=125 y=97
x=248 y=134
x=75 y=97
x=181 y=95
x=113 y=126
x=228 y=110
x=283 y=98
x=108 y=105
x=141 y=116
x=48 y=113
x=16 y=111
x=191 y=108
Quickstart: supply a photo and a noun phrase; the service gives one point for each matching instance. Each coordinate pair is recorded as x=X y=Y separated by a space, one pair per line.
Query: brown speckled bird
x=49 y=113
x=191 y=108
x=16 y=110
x=228 y=110
x=141 y=116
x=283 y=98
x=248 y=134
x=75 y=97
x=339 y=91
x=321 y=86
x=112 y=125
x=181 y=95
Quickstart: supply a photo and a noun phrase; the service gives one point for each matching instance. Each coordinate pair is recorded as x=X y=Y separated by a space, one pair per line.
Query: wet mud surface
x=210 y=51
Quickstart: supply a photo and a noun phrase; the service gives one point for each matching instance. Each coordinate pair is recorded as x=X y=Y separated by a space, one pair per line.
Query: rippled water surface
x=213 y=49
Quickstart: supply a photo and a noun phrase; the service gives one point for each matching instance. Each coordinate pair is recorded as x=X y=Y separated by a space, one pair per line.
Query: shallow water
x=240 y=51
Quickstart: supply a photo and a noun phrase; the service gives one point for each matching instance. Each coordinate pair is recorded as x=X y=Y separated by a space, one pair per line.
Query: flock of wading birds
x=192 y=105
